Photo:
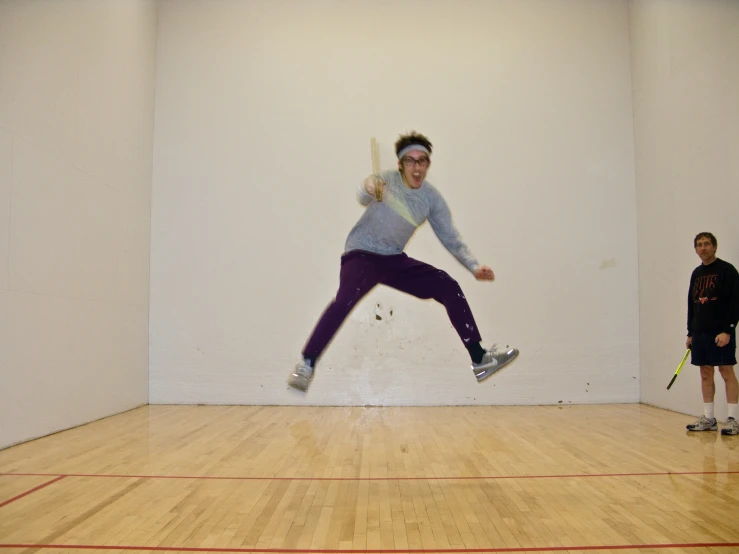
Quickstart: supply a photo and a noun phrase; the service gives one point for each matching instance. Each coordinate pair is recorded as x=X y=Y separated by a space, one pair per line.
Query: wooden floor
x=625 y=478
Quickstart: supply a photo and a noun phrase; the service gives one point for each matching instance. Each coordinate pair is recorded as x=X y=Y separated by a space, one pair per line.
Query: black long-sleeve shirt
x=713 y=298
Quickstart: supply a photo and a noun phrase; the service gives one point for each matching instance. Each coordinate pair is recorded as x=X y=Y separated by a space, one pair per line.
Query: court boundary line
x=418 y=478
x=41 y=486
x=490 y=550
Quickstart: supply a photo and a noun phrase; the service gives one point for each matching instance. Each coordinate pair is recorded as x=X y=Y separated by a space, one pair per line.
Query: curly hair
x=412 y=138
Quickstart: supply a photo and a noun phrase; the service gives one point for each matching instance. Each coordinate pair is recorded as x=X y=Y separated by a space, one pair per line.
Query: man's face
x=705 y=249
x=413 y=166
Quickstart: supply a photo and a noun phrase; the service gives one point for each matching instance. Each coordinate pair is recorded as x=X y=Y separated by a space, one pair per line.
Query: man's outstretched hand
x=374 y=185
x=484 y=273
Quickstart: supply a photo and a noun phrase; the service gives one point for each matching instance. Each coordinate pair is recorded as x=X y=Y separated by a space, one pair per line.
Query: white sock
x=734 y=411
x=708 y=410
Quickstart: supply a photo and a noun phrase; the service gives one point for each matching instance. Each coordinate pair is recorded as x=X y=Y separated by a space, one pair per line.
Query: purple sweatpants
x=362 y=271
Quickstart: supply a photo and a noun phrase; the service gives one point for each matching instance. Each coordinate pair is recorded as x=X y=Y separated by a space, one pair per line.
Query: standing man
x=397 y=203
x=713 y=311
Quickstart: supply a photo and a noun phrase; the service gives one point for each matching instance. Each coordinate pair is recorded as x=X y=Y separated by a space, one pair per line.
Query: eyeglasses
x=421 y=162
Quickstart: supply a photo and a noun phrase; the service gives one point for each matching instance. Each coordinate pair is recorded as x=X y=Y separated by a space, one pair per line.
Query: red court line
x=32 y=490
x=398 y=551
x=459 y=478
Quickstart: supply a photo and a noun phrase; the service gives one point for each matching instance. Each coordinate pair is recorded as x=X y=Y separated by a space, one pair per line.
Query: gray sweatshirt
x=386 y=227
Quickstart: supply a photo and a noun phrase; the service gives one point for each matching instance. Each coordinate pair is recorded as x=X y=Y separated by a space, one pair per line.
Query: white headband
x=412 y=147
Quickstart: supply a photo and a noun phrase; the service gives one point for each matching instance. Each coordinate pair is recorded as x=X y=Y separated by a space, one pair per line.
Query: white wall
x=685 y=59
x=76 y=128
x=265 y=111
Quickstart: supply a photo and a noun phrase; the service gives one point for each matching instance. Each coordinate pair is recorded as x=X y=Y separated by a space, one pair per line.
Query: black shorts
x=703 y=350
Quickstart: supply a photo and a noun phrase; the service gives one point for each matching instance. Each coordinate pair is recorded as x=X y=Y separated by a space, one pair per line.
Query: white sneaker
x=703 y=424
x=731 y=427
x=301 y=377
x=493 y=361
